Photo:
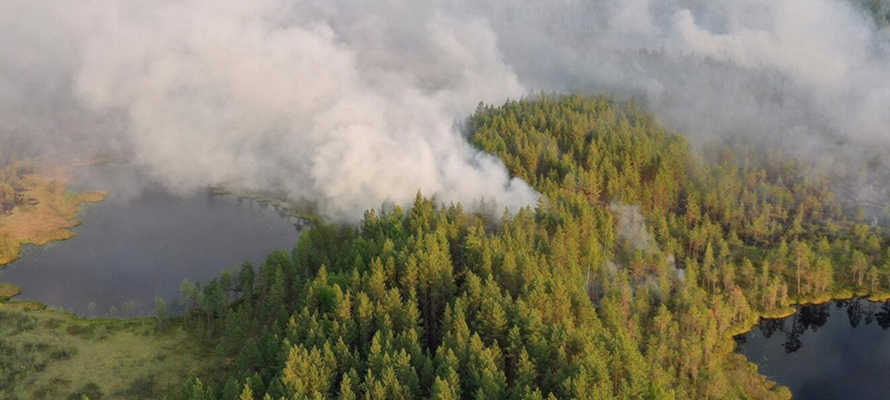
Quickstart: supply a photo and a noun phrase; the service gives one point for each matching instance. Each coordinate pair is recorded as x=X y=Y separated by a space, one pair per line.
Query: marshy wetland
x=51 y=354
x=138 y=243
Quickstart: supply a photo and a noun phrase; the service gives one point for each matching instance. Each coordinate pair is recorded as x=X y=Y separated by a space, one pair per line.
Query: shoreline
x=54 y=346
x=60 y=175
x=793 y=307
x=745 y=327
x=290 y=210
x=51 y=212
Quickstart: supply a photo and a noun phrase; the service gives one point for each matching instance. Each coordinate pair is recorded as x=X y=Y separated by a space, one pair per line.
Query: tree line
x=579 y=297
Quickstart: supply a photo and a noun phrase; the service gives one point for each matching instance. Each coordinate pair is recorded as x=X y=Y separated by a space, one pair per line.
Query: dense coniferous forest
x=642 y=259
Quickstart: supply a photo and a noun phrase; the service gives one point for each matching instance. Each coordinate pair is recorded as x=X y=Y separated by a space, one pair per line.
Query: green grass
x=54 y=355
x=8 y=291
x=22 y=306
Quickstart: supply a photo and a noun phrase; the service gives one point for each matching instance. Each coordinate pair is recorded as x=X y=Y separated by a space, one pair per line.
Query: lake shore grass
x=52 y=354
x=22 y=305
x=304 y=211
x=49 y=214
x=8 y=291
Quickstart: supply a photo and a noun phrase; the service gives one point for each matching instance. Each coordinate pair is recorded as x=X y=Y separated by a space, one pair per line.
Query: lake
x=142 y=241
x=837 y=350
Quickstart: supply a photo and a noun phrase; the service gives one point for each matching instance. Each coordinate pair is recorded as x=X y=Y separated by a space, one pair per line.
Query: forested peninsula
x=642 y=259
x=647 y=252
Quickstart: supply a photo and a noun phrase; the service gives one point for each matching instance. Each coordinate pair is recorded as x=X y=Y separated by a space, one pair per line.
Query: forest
x=644 y=256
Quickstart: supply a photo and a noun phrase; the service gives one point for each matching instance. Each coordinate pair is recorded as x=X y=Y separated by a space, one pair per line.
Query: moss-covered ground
x=48 y=354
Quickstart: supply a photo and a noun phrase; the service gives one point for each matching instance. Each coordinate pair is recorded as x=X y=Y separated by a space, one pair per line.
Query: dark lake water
x=838 y=350
x=143 y=241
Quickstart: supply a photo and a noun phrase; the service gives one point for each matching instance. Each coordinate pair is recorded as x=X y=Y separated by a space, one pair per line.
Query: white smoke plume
x=347 y=104
x=631 y=226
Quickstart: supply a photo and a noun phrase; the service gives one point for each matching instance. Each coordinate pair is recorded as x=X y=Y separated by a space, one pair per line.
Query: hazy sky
x=352 y=103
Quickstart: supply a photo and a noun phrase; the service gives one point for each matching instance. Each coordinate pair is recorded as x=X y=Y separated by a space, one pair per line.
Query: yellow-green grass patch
x=49 y=219
x=57 y=355
x=22 y=305
x=8 y=291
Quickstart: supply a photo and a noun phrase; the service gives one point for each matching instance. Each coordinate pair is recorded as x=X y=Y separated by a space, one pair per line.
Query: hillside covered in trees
x=642 y=259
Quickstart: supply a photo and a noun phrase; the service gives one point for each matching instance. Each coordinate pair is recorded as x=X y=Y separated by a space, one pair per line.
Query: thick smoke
x=261 y=95
x=348 y=104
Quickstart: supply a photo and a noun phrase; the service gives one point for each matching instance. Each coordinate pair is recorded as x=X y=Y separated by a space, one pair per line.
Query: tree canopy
x=627 y=280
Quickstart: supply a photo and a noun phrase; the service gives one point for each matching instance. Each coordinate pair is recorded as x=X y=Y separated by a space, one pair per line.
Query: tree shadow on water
x=854 y=312
x=813 y=317
x=810 y=317
x=883 y=315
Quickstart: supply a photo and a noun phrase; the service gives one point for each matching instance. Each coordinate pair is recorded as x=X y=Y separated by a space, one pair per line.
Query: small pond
x=837 y=350
x=142 y=241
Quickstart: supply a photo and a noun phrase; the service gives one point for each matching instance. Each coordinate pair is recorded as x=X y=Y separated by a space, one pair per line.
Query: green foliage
x=88 y=391
x=627 y=280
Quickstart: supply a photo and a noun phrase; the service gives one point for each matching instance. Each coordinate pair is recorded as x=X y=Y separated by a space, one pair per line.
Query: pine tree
x=246 y=394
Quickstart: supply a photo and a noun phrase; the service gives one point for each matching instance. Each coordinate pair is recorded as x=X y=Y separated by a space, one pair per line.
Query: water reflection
x=883 y=316
x=828 y=351
x=810 y=318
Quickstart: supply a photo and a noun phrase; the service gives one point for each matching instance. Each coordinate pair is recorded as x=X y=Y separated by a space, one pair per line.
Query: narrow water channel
x=142 y=241
x=837 y=350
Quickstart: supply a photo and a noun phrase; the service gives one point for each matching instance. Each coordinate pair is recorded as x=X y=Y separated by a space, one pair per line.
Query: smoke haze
x=348 y=104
